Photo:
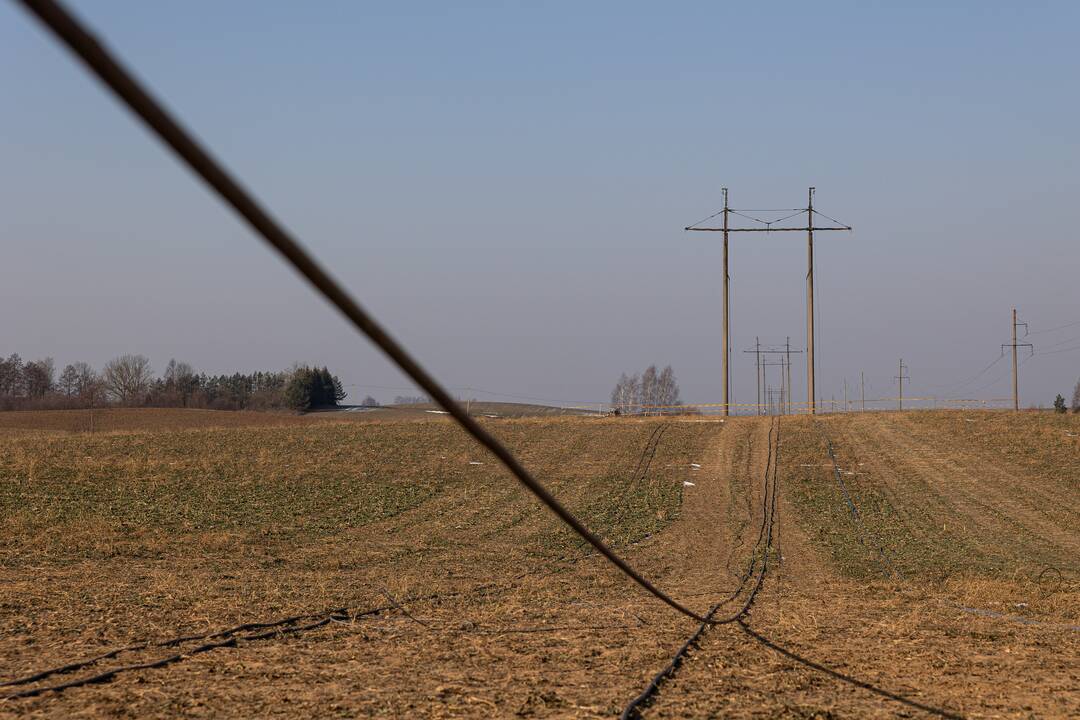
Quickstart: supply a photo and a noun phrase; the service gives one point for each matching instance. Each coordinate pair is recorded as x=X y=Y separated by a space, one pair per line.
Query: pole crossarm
x=767 y=230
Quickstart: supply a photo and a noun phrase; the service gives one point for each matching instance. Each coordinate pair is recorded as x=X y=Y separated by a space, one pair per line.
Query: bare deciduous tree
x=667 y=389
x=180 y=378
x=11 y=376
x=654 y=392
x=127 y=378
x=649 y=387
x=627 y=394
x=77 y=380
x=38 y=377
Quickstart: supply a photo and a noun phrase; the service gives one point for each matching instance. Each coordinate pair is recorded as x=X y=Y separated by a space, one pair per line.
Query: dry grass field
x=421 y=580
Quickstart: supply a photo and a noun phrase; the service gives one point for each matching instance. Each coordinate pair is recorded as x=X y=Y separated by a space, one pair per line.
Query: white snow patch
x=687 y=483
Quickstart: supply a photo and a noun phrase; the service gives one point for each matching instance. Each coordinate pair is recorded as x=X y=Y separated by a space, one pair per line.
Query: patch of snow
x=687 y=483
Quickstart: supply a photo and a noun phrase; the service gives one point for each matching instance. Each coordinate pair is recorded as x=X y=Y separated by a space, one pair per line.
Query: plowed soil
x=953 y=592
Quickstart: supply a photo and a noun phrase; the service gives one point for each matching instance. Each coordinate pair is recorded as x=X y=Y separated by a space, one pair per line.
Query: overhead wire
x=1054 y=329
x=818 y=212
x=952 y=387
x=72 y=33
x=718 y=212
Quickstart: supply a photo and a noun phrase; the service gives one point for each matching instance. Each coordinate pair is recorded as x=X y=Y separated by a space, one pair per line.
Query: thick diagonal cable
x=118 y=79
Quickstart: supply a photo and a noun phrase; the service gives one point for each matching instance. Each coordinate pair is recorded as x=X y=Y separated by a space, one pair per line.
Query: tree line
x=650 y=393
x=129 y=381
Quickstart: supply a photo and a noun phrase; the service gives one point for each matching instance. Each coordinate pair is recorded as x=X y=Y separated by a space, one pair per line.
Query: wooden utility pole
x=810 y=407
x=1014 y=345
x=759 y=371
x=787 y=349
x=727 y=313
x=901 y=377
x=726 y=229
x=1016 y=384
x=846 y=406
x=862 y=390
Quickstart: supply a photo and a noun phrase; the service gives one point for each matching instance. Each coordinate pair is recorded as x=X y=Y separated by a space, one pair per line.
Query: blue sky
x=505 y=185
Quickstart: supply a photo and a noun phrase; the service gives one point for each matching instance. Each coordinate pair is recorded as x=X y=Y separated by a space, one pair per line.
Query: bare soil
x=492 y=609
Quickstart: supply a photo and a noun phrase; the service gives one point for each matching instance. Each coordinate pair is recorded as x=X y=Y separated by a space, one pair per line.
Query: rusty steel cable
x=138 y=99
x=633 y=709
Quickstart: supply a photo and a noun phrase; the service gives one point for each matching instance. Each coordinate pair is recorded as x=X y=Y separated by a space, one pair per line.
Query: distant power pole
x=787 y=349
x=760 y=362
x=1014 y=345
x=902 y=377
x=862 y=390
x=846 y=406
x=759 y=371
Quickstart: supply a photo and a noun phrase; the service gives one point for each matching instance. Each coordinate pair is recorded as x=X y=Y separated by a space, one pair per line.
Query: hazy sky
x=505 y=186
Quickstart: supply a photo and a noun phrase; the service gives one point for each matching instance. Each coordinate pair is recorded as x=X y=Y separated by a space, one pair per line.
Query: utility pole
x=846 y=406
x=727 y=311
x=901 y=377
x=809 y=229
x=787 y=348
x=782 y=408
x=1014 y=345
x=760 y=371
x=811 y=408
x=862 y=390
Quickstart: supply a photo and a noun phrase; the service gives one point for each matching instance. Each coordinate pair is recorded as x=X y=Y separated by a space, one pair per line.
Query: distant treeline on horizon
x=129 y=381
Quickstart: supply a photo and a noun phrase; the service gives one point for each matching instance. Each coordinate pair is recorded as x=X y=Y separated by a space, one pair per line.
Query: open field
x=432 y=585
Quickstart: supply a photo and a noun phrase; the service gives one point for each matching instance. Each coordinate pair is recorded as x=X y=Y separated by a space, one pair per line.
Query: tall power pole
x=902 y=377
x=862 y=390
x=727 y=312
x=811 y=408
x=1014 y=345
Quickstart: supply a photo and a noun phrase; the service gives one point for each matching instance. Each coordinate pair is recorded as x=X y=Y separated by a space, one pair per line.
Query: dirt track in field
x=520 y=632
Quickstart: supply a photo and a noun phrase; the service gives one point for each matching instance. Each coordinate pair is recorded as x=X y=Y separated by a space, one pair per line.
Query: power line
x=1054 y=329
x=118 y=79
x=951 y=387
x=1055 y=352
